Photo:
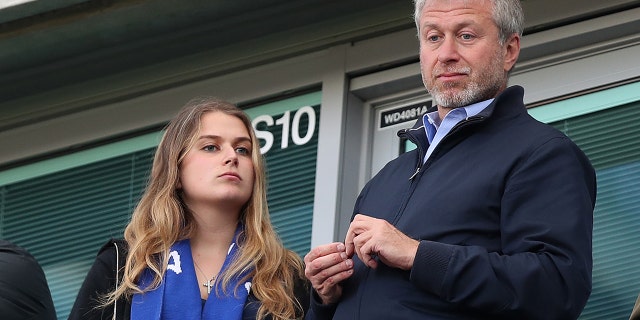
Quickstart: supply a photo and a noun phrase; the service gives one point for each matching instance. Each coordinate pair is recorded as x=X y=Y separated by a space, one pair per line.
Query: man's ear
x=511 y=52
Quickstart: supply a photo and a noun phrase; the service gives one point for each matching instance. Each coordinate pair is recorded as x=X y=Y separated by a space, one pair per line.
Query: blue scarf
x=178 y=295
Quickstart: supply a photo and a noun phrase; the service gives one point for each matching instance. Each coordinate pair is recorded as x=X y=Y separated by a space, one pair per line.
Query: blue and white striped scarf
x=178 y=295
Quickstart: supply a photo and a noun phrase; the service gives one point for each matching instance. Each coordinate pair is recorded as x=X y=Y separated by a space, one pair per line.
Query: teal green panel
x=64 y=217
x=64 y=209
x=279 y=107
x=291 y=176
x=610 y=139
x=409 y=146
x=80 y=158
x=588 y=103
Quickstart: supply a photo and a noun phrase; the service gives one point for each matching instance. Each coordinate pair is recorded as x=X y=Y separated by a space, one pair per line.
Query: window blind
x=63 y=218
x=610 y=139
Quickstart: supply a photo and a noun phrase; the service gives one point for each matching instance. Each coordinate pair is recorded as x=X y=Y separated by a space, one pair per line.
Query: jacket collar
x=507 y=104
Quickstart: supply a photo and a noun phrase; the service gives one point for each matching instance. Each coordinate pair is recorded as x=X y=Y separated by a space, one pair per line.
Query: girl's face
x=218 y=170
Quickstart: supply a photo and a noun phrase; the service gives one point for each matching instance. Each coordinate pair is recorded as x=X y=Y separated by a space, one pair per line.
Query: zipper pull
x=414 y=174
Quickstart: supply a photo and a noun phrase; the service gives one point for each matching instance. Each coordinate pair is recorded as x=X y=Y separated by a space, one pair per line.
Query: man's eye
x=210 y=147
x=466 y=36
x=433 y=38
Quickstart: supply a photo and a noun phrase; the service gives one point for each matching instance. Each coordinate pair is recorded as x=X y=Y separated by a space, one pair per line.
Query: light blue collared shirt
x=437 y=129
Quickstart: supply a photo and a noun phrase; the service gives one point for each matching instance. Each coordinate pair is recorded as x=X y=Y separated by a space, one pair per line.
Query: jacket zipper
x=455 y=128
x=411 y=188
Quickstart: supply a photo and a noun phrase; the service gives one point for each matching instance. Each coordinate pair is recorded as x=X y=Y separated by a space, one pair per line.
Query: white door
x=388 y=119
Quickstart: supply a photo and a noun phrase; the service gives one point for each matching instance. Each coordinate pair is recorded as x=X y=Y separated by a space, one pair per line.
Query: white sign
x=290 y=128
x=403 y=114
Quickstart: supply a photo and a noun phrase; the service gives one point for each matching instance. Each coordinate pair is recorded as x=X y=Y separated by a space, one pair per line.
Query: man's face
x=461 y=58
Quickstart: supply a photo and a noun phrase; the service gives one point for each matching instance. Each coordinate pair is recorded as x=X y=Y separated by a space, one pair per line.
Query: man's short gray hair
x=507 y=15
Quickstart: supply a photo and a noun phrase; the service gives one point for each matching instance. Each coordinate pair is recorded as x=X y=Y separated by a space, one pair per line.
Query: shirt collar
x=471 y=110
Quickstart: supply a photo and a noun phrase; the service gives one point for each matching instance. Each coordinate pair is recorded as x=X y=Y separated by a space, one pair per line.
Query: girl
x=200 y=244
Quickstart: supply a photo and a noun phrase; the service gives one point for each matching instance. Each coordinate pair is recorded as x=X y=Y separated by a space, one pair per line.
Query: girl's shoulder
x=113 y=253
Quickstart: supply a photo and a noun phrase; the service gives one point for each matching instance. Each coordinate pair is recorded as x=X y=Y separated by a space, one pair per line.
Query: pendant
x=209 y=285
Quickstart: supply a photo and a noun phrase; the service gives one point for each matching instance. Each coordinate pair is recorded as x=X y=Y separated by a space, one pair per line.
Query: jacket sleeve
x=318 y=311
x=301 y=292
x=100 y=280
x=24 y=292
x=544 y=268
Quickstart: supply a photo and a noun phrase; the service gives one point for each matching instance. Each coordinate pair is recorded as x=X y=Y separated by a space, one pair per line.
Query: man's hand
x=370 y=237
x=325 y=267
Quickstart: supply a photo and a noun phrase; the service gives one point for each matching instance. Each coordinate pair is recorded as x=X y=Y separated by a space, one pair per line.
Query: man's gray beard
x=486 y=88
x=467 y=96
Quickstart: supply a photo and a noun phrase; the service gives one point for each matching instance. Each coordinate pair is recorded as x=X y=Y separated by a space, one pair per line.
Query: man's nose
x=448 y=50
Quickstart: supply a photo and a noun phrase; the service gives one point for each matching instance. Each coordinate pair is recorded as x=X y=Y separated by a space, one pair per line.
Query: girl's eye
x=209 y=147
x=242 y=150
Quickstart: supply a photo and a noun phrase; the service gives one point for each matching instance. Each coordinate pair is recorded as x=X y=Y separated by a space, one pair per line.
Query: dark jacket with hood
x=503 y=210
x=24 y=292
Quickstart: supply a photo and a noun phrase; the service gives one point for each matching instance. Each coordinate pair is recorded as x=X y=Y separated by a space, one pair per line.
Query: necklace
x=209 y=283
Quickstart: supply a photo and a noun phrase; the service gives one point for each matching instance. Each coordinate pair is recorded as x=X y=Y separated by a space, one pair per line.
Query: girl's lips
x=232 y=175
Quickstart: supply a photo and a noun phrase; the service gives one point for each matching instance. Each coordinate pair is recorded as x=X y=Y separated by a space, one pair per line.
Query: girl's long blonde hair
x=161 y=219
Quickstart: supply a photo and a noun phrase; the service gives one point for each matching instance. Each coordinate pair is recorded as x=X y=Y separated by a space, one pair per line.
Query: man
x=491 y=217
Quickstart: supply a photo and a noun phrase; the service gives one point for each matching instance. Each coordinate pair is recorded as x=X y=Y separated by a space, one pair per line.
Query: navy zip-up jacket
x=503 y=210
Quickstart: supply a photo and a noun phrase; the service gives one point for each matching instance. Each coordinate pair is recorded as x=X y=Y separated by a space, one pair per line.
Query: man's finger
x=324 y=250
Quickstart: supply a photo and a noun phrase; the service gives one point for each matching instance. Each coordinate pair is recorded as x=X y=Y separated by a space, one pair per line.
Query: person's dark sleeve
x=317 y=310
x=544 y=269
x=301 y=292
x=100 y=280
x=24 y=292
